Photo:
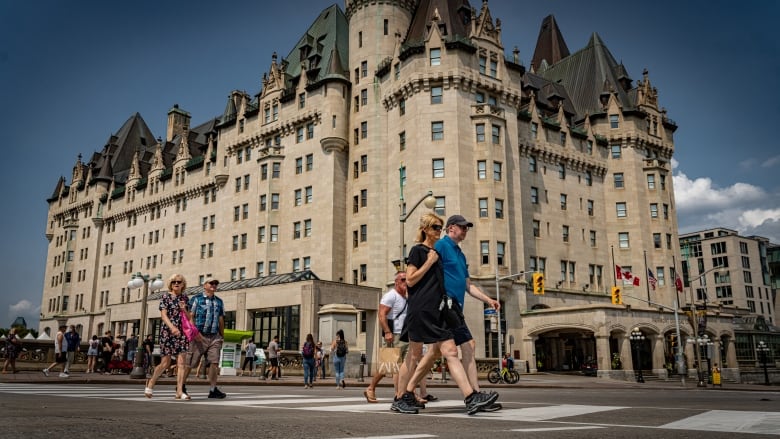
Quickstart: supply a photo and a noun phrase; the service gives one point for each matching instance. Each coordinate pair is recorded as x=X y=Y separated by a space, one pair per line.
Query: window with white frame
x=436 y=57
x=436 y=95
x=483 y=207
x=481 y=169
x=437 y=130
x=438 y=168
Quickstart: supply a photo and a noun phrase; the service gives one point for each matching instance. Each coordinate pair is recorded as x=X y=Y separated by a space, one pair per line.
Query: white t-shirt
x=398 y=308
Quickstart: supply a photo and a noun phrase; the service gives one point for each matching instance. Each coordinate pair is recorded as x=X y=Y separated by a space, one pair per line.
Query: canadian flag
x=626 y=276
x=678 y=283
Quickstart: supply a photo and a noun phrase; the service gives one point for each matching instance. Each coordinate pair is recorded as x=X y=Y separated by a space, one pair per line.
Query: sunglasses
x=436 y=227
x=214 y=283
x=176 y=282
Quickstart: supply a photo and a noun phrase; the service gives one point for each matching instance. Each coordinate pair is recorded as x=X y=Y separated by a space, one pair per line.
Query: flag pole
x=647 y=284
x=614 y=267
x=676 y=291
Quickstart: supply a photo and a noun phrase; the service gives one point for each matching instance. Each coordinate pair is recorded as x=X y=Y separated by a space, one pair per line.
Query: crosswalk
x=557 y=415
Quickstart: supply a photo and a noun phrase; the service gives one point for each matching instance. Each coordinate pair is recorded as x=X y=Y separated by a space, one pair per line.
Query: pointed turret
x=453 y=17
x=550 y=45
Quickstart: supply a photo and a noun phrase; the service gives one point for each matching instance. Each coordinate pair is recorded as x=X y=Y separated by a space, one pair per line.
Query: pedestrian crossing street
x=555 y=415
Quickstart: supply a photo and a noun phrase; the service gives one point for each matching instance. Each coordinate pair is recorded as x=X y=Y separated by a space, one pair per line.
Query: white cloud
x=24 y=308
x=748 y=209
x=771 y=162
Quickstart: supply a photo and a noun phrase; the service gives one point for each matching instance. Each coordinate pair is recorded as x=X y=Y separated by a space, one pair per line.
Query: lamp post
x=763 y=352
x=637 y=338
x=698 y=343
x=142 y=280
x=695 y=326
x=498 y=312
x=430 y=203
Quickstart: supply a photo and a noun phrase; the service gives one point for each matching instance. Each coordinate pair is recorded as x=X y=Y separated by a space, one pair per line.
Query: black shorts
x=61 y=358
x=461 y=334
x=274 y=362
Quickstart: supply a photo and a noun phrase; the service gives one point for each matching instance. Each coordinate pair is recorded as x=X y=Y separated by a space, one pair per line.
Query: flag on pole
x=651 y=279
x=626 y=276
x=678 y=283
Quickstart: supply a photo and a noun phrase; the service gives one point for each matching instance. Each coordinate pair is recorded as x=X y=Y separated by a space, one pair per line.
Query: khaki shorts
x=402 y=345
x=208 y=347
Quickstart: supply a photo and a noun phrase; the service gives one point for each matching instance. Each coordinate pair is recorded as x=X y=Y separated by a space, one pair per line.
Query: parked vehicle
x=590 y=368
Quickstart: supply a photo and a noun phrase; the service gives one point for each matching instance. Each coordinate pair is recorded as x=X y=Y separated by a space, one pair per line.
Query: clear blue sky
x=71 y=73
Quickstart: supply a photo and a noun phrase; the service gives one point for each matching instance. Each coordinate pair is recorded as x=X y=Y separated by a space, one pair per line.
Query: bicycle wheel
x=493 y=376
x=512 y=377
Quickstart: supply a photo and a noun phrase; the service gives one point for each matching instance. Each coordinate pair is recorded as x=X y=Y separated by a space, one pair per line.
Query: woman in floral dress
x=173 y=308
x=12 y=347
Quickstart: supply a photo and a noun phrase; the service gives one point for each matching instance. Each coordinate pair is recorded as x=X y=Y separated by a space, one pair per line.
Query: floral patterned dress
x=11 y=347
x=169 y=343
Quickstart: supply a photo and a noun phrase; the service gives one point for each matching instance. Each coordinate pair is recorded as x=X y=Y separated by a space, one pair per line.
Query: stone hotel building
x=293 y=196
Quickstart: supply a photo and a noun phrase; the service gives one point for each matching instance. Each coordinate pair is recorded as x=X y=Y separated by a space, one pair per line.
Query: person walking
x=457 y=283
x=392 y=314
x=426 y=326
x=339 y=350
x=106 y=351
x=207 y=311
x=148 y=352
x=173 y=342
x=74 y=340
x=131 y=346
x=60 y=352
x=273 y=357
x=249 y=358
x=320 y=363
x=92 y=353
x=13 y=345
x=309 y=370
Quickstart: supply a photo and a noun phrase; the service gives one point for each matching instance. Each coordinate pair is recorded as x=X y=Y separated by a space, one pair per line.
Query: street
x=38 y=410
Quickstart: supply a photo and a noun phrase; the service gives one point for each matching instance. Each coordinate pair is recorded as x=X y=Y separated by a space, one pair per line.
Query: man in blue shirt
x=207 y=311
x=457 y=283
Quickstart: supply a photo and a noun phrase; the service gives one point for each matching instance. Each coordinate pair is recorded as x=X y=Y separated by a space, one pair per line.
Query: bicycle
x=509 y=376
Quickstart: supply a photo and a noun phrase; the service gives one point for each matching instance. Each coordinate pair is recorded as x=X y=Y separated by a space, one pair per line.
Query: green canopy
x=235 y=336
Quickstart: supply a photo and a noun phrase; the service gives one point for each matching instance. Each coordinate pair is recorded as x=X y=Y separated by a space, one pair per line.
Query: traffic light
x=538 y=284
x=617 y=295
x=673 y=341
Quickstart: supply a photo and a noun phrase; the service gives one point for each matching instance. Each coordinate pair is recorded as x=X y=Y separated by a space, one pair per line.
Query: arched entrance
x=564 y=349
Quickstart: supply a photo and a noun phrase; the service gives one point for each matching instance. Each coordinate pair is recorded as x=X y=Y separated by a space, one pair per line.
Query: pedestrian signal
x=617 y=295
x=538 y=280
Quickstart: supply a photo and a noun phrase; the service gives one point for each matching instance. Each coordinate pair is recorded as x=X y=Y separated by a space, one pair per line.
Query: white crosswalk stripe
x=711 y=420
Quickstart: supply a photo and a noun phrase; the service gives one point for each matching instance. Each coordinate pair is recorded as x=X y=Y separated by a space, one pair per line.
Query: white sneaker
x=64 y=375
x=46 y=372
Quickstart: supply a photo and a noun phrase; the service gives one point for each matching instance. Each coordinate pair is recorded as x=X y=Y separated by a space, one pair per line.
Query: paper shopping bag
x=388 y=360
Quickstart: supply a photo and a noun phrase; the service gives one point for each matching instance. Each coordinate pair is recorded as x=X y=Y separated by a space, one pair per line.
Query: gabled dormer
x=484 y=28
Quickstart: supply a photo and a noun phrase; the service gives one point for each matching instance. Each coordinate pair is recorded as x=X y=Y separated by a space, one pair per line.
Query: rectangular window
x=298 y=197
x=271 y=268
x=402 y=140
x=666 y=211
x=310 y=160
x=656 y=240
x=500 y=250
x=618 y=177
x=483 y=208
x=299 y=165
x=364 y=163
x=493 y=68
x=561 y=171
x=496 y=134
x=363 y=232
x=613 y=121
x=364 y=97
x=307 y=228
x=437 y=130
x=745 y=262
x=622 y=210
x=397 y=70
x=564 y=200
x=302 y=100
x=481 y=170
x=264 y=172
x=534 y=130
x=532 y=163
x=276 y=170
x=299 y=135
x=364 y=69
x=588 y=178
x=534 y=195
x=479 y=97
x=592 y=235
x=297 y=230
x=274 y=233
x=263 y=202
x=386 y=26
x=402 y=106
x=616 y=151
x=653 y=210
x=245 y=211
x=499 y=208
x=363 y=130
x=436 y=95
x=260 y=269
x=261 y=234
x=438 y=168
x=484 y=249
x=623 y=241
x=435 y=57
x=536 y=228
x=480 y=132
x=363 y=197
x=651 y=181
x=309 y=195
x=497 y=170
x=482 y=65
x=565 y=233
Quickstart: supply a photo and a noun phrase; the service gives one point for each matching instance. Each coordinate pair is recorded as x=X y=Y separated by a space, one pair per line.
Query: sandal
x=148 y=392
x=370 y=396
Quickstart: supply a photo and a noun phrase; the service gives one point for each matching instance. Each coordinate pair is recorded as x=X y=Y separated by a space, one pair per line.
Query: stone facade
x=564 y=167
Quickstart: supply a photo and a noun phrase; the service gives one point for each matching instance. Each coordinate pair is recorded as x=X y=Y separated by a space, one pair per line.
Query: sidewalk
x=539 y=380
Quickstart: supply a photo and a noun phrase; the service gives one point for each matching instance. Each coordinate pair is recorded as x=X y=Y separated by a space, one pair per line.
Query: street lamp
x=763 y=353
x=498 y=313
x=430 y=203
x=142 y=280
x=698 y=343
x=637 y=338
x=695 y=325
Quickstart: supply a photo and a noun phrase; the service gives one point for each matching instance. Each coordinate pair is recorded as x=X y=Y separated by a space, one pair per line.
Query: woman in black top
x=425 y=278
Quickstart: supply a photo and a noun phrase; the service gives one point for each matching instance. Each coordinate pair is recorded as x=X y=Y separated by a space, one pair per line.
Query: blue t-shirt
x=456 y=270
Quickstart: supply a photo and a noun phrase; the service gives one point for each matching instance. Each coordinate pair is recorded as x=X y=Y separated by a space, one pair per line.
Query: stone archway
x=564 y=349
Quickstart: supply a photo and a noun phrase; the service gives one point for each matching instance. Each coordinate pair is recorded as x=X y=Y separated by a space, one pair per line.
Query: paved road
x=55 y=408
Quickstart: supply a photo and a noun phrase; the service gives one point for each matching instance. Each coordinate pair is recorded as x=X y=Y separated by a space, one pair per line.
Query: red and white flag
x=626 y=276
x=651 y=279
